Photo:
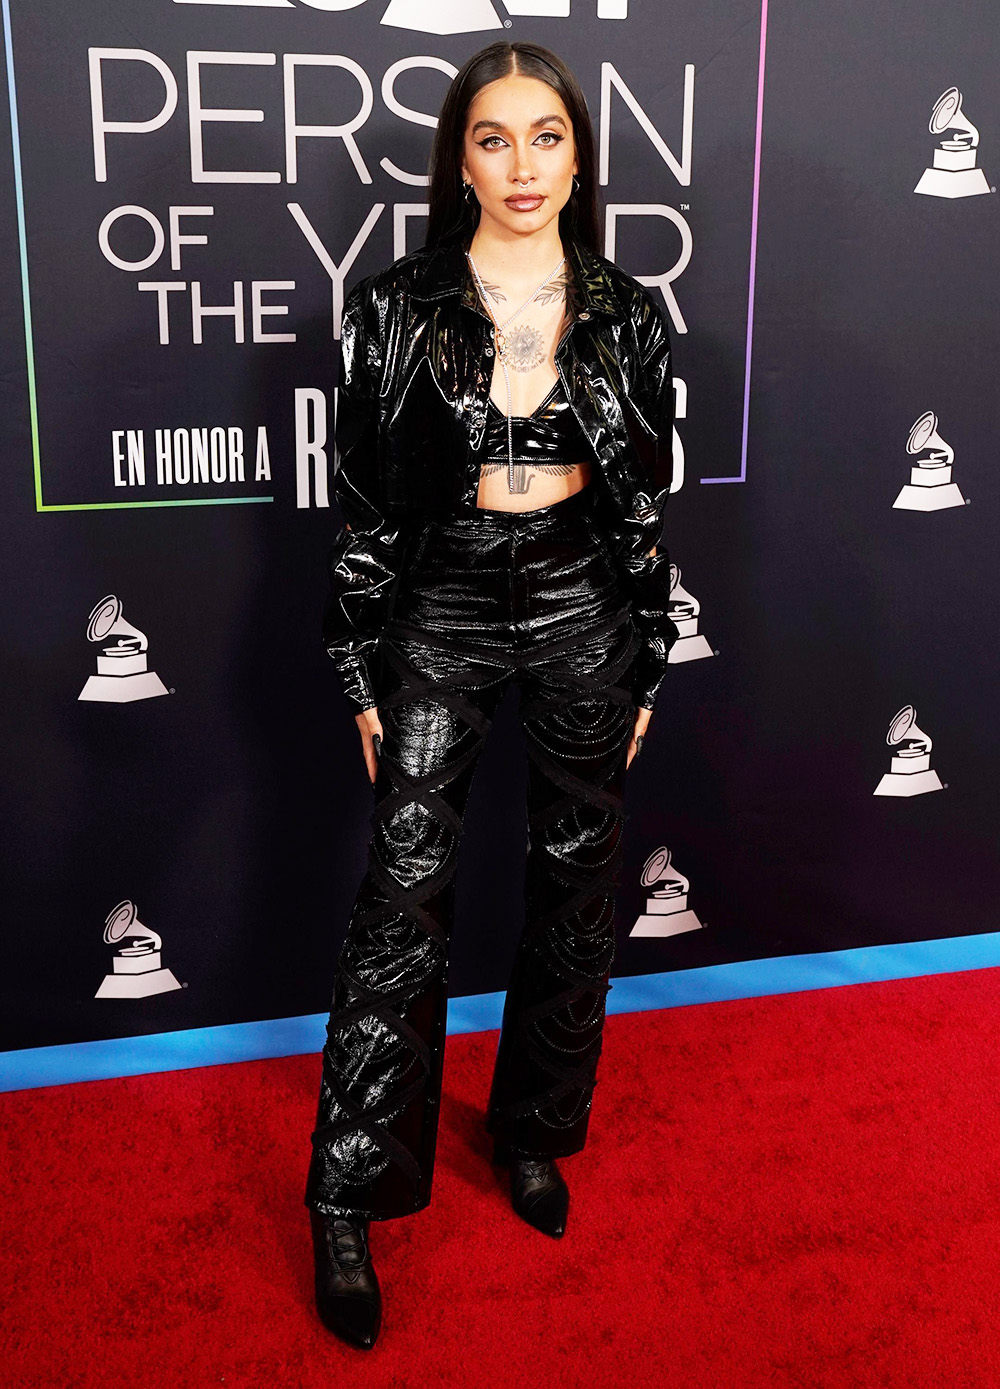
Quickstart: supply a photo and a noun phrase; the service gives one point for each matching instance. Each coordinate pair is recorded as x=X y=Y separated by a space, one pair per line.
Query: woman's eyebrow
x=499 y=125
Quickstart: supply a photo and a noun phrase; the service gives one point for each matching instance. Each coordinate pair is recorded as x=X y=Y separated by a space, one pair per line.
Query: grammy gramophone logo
x=444 y=16
x=683 y=609
x=472 y=16
x=910 y=772
x=930 y=487
x=667 y=912
x=122 y=672
x=137 y=971
x=954 y=173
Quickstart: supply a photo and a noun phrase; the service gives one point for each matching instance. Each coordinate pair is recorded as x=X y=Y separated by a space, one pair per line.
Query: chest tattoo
x=526 y=347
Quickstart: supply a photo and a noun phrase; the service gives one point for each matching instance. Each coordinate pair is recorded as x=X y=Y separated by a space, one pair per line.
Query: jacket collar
x=447 y=271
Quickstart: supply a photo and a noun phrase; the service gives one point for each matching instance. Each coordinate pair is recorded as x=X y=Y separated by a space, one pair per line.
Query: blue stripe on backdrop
x=256 y=1041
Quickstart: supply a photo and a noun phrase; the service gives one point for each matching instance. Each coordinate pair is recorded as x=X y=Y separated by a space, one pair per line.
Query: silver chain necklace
x=501 y=347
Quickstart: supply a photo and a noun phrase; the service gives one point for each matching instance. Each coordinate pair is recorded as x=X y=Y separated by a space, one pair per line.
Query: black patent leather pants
x=490 y=597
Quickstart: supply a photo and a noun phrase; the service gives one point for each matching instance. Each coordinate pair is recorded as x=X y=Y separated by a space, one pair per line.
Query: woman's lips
x=524 y=204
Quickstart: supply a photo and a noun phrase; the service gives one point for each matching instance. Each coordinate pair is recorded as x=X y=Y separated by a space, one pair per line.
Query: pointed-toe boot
x=348 y=1297
x=537 y=1191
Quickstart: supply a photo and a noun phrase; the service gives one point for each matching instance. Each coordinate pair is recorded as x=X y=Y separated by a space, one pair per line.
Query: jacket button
x=585 y=314
x=489 y=352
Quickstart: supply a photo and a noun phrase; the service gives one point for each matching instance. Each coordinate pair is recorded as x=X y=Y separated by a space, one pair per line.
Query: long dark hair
x=452 y=215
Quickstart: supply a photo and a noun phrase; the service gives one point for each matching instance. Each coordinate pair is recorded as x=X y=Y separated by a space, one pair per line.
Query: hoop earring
x=576 y=184
x=468 y=190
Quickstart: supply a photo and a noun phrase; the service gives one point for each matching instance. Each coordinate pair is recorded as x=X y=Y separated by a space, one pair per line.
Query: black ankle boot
x=537 y=1191
x=348 y=1297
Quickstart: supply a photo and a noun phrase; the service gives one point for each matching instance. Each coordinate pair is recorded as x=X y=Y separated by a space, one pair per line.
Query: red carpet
x=796 y=1190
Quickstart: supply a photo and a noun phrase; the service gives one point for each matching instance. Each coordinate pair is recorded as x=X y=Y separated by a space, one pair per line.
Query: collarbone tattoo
x=558 y=287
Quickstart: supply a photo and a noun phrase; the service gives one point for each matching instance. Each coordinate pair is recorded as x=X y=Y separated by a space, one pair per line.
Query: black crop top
x=551 y=434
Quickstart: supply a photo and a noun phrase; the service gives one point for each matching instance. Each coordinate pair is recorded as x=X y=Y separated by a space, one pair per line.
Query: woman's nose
x=523 y=170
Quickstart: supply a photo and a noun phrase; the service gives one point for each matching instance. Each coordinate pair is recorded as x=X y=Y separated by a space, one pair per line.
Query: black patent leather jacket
x=415 y=367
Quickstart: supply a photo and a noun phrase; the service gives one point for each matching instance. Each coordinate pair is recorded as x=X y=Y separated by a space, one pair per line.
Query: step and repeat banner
x=191 y=189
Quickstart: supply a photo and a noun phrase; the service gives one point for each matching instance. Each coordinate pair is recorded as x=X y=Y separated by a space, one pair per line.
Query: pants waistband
x=579 y=503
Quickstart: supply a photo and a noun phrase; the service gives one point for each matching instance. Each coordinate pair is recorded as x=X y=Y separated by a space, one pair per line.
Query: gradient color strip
x=742 y=477
x=22 y=239
x=637 y=993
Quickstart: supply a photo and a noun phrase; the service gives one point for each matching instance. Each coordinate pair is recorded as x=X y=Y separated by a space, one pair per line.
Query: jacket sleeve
x=650 y=402
x=364 y=560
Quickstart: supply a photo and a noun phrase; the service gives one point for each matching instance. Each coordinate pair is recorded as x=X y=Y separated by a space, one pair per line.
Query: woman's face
x=518 y=131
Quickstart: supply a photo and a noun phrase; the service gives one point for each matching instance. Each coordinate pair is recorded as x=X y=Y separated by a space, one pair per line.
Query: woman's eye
x=550 y=134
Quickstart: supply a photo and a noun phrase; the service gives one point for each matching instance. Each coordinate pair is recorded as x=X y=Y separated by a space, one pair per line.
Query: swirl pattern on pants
x=532 y=598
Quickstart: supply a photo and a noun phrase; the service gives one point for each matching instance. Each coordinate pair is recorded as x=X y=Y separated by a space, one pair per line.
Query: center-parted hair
x=451 y=214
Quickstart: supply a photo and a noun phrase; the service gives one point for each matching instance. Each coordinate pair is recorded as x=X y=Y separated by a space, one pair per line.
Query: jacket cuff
x=354 y=678
x=648 y=674
x=650 y=588
x=363 y=569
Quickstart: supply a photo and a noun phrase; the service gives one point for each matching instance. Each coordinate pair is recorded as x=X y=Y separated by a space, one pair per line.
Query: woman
x=504 y=427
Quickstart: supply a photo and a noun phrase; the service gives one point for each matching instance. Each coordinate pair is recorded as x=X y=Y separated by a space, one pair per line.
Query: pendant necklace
x=502 y=348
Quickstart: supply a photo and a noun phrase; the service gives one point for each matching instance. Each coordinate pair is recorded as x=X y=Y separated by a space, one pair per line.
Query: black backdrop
x=233 y=810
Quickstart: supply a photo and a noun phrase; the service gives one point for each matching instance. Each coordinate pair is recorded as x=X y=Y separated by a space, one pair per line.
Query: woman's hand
x=368 y=723
x=642 y=719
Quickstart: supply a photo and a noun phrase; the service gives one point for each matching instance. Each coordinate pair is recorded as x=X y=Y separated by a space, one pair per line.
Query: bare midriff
x=543 y=488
